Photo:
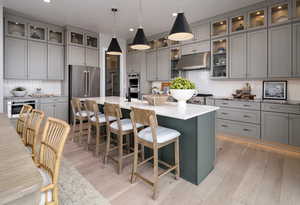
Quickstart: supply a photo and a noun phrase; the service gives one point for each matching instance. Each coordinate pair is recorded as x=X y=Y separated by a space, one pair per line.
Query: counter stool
x=32 y=130
x=153 y=137
x=121 y=128
x=97 y=120
x=21 y=122
x=83 y=117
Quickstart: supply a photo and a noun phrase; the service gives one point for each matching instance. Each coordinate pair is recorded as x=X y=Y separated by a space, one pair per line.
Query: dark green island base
x=197 y=145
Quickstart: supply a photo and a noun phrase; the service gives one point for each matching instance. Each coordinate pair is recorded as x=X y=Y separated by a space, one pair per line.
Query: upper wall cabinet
x=296 y=50
x=280 y=51
x=201 y=32
x=280 y=13
x=15 y=66
x=15 y=27
x=219 y=60
x=55 y=35
x=37 y=60
x=238 y=56
x=76 y=38
x=219 y=28
x=91 y=40
x=55 y=62
x=91 y=57
x=296 y=9
x=257 y=19
x=37 y=32
x=238 y=23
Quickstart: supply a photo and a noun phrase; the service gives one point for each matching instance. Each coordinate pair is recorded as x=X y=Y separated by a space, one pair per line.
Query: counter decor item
x=182 y=90
x=275 y=90
x=19 y=92
x=244 y=93
x=156 y=99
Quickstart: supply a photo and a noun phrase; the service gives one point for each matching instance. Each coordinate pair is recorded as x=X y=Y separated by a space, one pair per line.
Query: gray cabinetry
x=151 y=65
x=15 y=66
x=48 y=109
x=55 y=107
x=294 y=130
x=134 y=62
x=280 y=48
x=238 y=56
x=92 y=57
x=257 y=54
x=163 y=65
x=37 y=60
x=275 y=127
x=61 y=110
x=76 y=55
x=296 y=50
x=55 y=62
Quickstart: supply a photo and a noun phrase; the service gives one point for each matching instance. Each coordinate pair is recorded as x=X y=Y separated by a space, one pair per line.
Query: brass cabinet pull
x=246 y=116
x=224 y=113
x=246 y=130
x=224 y=125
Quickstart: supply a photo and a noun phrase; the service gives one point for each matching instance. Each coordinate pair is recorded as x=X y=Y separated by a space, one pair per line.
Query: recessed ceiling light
x=47 y=1
x=174 y=14
x=131 y=29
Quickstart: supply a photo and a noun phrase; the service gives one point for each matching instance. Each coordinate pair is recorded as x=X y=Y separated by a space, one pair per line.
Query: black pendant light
x=181 y=30
x=114 y=47
x=140 y=41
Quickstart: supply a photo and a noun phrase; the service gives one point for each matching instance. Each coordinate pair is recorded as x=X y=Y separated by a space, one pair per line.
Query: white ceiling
x=95 y=14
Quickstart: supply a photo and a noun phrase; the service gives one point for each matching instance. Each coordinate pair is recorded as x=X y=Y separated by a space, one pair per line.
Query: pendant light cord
x=140 y=14
x=115 y=22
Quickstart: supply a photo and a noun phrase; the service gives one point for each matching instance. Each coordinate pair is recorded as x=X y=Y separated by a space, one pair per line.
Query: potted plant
x=182 y=90
x=19 y=92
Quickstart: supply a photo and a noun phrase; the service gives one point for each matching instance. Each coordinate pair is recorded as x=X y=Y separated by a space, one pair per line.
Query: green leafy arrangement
x=182 y=83
x=19 y=89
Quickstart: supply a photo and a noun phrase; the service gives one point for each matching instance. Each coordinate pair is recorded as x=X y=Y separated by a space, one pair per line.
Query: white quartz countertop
x=170 y=109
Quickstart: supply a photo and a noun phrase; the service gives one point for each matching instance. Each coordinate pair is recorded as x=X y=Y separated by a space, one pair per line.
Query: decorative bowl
x=182 y=95
x=18 y=93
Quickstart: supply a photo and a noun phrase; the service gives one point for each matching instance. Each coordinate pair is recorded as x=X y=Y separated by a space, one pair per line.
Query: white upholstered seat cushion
x=163 y=134
x=46 y=181
x=125 y=124
x=84 y=113
x=102 y=118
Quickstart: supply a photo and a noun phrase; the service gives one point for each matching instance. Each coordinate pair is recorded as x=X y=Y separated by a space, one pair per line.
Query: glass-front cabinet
x=37 y=32
x=91 y=40
x=76 y=38
x=55 y=35
x=219 y=28
x=238 y=24
x=297 y=9
x=15 y=27
x=219 y=58
x=175 y=57
x=279 y=13
x=257 y=19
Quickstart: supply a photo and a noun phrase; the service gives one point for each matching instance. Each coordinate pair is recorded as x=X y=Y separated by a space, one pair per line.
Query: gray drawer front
x=249 y=116
x=53 y=100
x=210 y=101
x=238 y=104
x=273 y=107
x=237 y=129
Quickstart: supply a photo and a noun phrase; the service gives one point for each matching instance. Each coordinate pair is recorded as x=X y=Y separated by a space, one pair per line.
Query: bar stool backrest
x=90 y=106
x=113 y=110
x=52 y=144
x=145 y=117
x=33 y=128
x=76 y=106
x=22 y=120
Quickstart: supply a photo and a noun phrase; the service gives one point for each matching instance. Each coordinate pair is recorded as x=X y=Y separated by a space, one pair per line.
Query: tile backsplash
x=48 y=87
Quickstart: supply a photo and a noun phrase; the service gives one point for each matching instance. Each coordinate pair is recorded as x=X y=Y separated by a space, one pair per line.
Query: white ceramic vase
x=182 y=95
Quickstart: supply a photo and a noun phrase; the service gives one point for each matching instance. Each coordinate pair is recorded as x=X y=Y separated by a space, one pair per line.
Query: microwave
x=14 y=107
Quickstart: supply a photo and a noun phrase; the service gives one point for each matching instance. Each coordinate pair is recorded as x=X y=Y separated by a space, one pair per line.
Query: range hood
x=195 y=61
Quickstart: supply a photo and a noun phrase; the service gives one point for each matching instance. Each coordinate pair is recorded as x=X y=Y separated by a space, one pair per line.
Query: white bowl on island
x=182 y=95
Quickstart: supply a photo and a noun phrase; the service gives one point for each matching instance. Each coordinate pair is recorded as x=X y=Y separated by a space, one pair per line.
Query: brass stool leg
x=120 y=158
x=177 y=159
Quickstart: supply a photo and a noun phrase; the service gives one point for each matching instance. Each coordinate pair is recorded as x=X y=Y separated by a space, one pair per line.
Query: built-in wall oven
x=134 y=85
x=14 y=107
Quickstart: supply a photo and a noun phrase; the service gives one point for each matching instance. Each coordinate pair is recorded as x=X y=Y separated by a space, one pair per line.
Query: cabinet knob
x=224 y=113
x=224 y=125
x=246 y=116
x=246 y=130
x=245 y=105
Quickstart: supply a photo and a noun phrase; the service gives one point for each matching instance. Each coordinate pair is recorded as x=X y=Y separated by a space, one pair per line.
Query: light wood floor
x=243 y=175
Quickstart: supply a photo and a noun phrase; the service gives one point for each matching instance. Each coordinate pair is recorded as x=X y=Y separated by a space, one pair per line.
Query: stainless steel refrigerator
x=84 y=82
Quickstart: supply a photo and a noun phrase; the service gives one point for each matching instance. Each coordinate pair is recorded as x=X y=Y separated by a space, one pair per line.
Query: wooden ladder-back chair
x=21 y=122
x=52 y=144
x=153 y=137
x=32 y=131
x=121 y=127
x=81 y=115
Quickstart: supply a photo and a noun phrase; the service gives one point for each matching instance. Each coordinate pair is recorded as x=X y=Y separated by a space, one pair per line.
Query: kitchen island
x=196 y=123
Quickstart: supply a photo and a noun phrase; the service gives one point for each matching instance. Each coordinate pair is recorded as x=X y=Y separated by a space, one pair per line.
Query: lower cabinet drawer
x=246 y=105
x=273 y=107
x=249 y=116
x=237 y=129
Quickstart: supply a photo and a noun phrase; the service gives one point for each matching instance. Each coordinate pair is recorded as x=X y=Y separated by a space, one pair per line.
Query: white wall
x=226 y=87
x=1 y=58
x=104 y=43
